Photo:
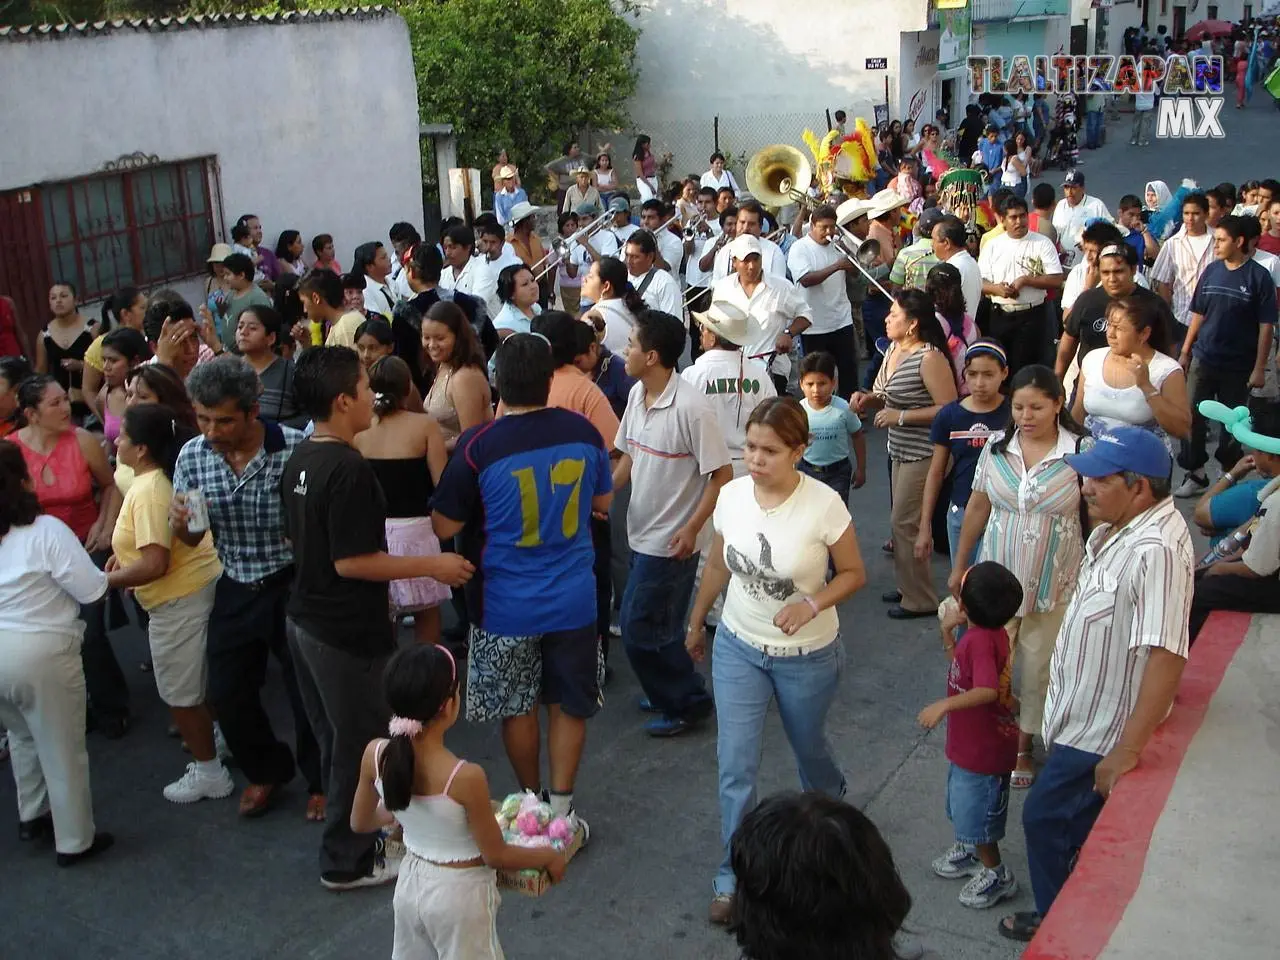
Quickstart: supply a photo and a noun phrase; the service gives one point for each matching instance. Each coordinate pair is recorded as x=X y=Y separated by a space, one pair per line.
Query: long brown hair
x=466 y=346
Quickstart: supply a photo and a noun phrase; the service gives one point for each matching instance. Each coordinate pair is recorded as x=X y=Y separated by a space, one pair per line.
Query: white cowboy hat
x=507 y=172
x=884 y=201
x=521 y=211
x=726 y=321
x=851 y=210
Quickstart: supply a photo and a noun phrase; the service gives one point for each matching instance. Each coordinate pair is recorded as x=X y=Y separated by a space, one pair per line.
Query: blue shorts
x=977 y=805
x=510 y=676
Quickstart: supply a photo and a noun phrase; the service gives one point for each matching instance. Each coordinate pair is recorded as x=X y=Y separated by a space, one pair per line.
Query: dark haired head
x=239 y=265
x=1234 y=227
x=991 y=595
x=116 y=304
x=819 y=361
x=661 y=333
x=13 y=370
x=320 y=241
x=269 y=317
x=942 y=283
x=752 y=205
x=168 y=389
x=1145 y=313
x=493 y=229
x=19 y=505
x=461 y=236
x=159 y=429
x=952 y=230
x=823 y=211
x=466 y=346
x=1198 y=200
x=1044 y=380
x=353 y=281
x=815 y=879
x=364 y=256
x=524 y=368
x=638 y=151
x=1101 y=234
x=1226 y=191
x=164 y=305
x=919 y=306
x=614 y=272
x=1130 y=201
x=129 y=343
x=286 y=240
x=643 y=241
x=1043 y=196
x=418 y=683
x=785 y=417
x=324 y=283
x=563 y=332
x=378 y=328
x=729 y=213
x=240 y=233
x=404 y=233
x=287 y=303
x=390 y=380
x=1012 y=203
x=426 y=264
x=507 y=280
x=321 y=376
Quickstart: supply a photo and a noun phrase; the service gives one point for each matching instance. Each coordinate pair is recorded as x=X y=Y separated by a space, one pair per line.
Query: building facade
x=131 y=147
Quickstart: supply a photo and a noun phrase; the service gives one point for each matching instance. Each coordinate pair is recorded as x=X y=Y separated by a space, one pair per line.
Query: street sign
x=877 y=63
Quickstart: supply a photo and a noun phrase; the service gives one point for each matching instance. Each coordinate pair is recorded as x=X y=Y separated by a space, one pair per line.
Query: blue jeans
x=977 y=805
x=1058 y=814
x=745 y=680
x=654 y=606
x=1093 y=129
x=838 y=476
x=955 y=520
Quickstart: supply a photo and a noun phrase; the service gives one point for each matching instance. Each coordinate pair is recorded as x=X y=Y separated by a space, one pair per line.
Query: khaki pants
x=914 y=581
x=42 y=703
x=1032 y=639
x=571 y=300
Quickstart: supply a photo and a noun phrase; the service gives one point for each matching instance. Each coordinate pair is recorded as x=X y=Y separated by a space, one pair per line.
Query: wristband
x=813 y=605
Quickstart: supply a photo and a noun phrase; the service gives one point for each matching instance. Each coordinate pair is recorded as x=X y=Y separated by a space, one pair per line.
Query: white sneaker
x=958 y=861
x=194 y=786
x=1192 y=485
x=988 y=888
x=579 y=824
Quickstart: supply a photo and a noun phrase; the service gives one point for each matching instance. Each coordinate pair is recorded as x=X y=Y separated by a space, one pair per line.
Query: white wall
x=776 y=64
x=314 y=124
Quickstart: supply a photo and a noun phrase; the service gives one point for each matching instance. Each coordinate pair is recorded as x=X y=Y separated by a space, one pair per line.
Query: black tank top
x=56 y=354
x=407 y=486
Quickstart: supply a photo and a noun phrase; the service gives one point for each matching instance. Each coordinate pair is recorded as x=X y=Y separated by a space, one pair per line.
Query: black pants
x=1024 y=333
x=1245 y=594
x=779 y=383
x=104 y=680
x=601 y=541
x=1205 y=382
x=342 y=694
x=843 y=345
x=700 y=302
x=245 y=629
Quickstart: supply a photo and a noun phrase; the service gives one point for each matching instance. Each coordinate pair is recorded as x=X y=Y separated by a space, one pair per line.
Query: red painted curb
x=1090 y=906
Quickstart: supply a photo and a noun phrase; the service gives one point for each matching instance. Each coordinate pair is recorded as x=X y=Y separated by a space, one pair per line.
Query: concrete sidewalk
x=1185 y=859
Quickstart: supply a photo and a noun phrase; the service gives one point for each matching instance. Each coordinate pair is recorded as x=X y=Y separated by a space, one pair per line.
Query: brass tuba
x=779 y=175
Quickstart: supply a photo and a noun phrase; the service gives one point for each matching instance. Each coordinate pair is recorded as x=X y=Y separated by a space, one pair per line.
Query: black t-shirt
x=334 y=508
x=1087 y=321
x=969 y=131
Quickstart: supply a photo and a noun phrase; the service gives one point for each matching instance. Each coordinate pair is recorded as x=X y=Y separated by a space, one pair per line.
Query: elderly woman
x=45 y=577
x=1025 y=508
x=1134 y=381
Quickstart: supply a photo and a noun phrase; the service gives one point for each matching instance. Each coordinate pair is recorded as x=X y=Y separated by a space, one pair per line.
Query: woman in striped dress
x=915 y=382
x=1025 y=508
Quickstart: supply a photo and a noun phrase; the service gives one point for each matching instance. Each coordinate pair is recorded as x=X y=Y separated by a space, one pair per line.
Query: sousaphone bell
x=779 y=175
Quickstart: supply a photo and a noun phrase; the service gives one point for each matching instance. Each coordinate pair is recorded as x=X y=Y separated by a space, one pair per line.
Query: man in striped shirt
x=1182 y=259
x=1119 y=655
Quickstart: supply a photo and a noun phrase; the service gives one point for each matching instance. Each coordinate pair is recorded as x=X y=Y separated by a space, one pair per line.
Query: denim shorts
x=977 y=805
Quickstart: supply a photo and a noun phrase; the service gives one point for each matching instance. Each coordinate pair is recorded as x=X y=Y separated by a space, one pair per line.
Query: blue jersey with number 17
x=527 y=482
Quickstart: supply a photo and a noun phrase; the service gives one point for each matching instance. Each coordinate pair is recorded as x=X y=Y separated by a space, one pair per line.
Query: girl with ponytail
x=616 y=303
x=447 y=883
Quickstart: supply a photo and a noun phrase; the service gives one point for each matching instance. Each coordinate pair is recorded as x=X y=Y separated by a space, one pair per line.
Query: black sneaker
x=101 y=843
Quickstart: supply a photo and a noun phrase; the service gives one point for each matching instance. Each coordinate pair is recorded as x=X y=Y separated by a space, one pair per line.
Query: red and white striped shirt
x=1134 y=593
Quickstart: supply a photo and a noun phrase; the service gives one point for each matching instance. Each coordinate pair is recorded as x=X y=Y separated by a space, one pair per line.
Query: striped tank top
x=904 y=389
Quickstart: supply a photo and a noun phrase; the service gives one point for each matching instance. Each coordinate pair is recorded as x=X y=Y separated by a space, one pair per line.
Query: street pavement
x=196 y=882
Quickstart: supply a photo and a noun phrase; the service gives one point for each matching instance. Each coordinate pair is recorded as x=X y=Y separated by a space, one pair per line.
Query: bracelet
x=813 y=605
x=1230 y=478
x=901 y=417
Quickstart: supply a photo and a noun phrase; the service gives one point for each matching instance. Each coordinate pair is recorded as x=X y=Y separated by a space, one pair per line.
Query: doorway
x=1179 y=22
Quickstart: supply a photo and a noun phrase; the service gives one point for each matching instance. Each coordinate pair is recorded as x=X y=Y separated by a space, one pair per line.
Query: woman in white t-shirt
x=776 y=530
x=45 y=575
x=1013 y=170
x=1134 y=382
x=717 y=178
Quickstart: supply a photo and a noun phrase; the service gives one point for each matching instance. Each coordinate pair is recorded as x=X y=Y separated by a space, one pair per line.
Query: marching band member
x=777 y=310
x=819 y=268
x=657 y=288
x=653 y=213
x=698 y=238
x=750 y=221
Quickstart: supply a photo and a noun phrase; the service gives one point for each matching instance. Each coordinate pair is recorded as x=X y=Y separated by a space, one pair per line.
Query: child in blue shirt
x=832 y=425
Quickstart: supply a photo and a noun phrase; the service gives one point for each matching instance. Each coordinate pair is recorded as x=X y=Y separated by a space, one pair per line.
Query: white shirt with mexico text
x=829 y=308
x=734 y=386
x=776 y=557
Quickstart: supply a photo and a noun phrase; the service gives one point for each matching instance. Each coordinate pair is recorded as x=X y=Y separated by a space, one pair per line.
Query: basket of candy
x=528 y=821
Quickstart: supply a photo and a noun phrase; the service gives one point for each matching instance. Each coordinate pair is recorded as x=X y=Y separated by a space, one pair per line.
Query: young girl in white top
x=446 y=900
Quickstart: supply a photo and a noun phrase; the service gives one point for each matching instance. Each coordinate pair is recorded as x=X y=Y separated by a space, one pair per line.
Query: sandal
x=1021 y=926
x=1022 y=779
x=257 y=799
x=316 y=807
x=887 y=546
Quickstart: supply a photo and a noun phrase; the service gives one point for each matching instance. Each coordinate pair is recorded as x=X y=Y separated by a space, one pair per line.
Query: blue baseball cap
x=1119 y=449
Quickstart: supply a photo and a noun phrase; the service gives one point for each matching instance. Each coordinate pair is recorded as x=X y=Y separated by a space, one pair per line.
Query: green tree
x=524 y=75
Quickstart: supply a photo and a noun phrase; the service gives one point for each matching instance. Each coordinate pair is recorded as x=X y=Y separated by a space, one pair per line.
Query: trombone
x=861 y=253
x=560 y=245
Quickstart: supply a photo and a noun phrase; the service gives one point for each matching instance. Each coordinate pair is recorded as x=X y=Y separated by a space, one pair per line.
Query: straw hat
x=851 y=210
x=726 y=321
x=219 y=252
x=884 y=201
x=507 y=172
x=521 y=211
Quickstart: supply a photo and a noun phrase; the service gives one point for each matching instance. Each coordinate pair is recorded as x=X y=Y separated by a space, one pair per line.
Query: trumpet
x=559 y=245
x=691 y=229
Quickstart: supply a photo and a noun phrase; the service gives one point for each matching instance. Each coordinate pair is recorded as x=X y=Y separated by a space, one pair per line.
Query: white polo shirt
x=486 y=283
x=694 y=275
x=1069 y=221
x=674 y=445
x=467 y=281
x=672 y=249
x=734 y=386
x=829 y=300
x=970 y=280
x=1004 y=259
x=771 y=255
x=662 y=293
x=771 y=308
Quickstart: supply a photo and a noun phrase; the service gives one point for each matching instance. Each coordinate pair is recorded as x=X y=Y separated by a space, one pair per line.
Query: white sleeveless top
x=1108 y=406
x=435 y=827
x=618 y=321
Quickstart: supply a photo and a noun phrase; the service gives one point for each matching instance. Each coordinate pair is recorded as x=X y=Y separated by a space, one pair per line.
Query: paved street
x=196 y=882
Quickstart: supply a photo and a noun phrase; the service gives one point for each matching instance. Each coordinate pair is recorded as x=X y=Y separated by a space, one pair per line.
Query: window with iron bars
x=138 y=227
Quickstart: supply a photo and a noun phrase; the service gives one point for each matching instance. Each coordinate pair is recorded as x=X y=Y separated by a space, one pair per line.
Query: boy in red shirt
x=982 y=735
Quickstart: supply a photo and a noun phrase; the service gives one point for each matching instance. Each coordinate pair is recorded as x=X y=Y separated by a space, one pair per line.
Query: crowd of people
x=653 y=432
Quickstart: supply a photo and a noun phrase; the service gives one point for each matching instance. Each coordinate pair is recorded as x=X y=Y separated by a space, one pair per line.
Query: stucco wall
x=314 y=124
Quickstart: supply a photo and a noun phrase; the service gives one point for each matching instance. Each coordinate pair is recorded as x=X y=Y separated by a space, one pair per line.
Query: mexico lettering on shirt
x=723 y=385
